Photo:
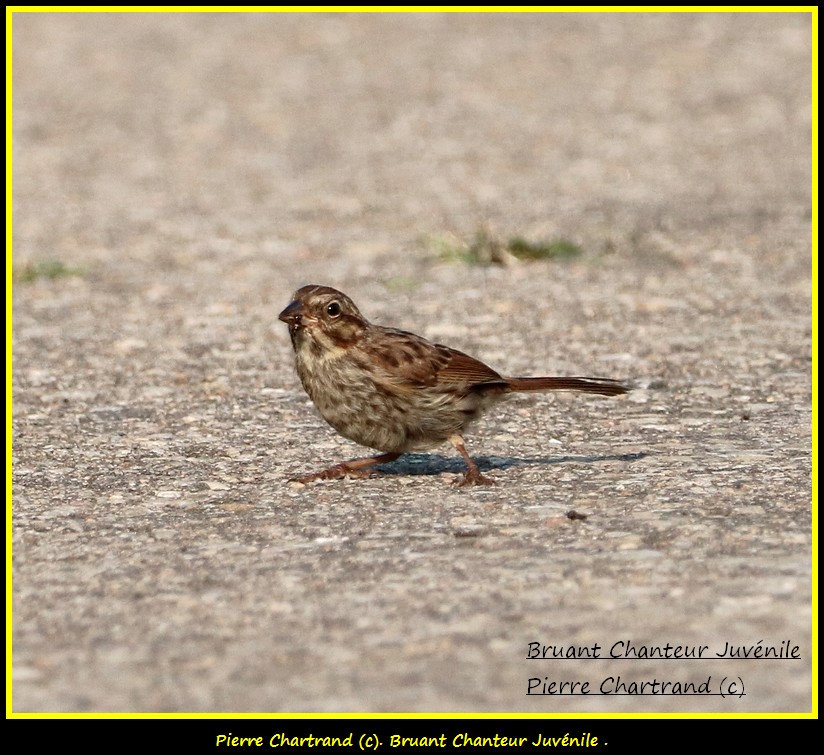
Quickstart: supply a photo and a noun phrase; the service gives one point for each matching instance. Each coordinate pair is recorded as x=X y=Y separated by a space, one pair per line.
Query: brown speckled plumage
x=392 y=390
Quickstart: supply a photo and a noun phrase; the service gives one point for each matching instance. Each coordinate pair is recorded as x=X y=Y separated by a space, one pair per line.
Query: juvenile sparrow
x=392 y=390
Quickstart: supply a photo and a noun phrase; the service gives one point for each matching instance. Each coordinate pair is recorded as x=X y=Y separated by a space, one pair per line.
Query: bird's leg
x=473 y=475
x=358 y=468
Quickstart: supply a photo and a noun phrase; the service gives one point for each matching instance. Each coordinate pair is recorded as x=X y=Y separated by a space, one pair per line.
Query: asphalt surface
x=177 y=176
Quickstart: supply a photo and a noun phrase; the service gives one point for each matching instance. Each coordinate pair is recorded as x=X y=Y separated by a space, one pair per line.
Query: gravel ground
x=177 y=176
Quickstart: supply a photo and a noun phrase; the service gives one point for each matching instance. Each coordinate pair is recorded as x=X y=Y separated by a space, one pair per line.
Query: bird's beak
x=292 y=314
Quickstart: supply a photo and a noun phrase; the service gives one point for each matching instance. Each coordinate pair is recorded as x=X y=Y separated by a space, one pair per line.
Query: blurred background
x=263 y=136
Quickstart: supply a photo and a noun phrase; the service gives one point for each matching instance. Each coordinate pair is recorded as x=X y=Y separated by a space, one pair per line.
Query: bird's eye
x=333 y=309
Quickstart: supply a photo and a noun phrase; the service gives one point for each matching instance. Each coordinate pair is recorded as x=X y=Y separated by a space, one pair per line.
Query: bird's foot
x=474 y=477
x=335 y=473
x=357 y=469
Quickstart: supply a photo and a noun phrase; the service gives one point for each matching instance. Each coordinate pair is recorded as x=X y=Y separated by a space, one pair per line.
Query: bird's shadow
x=435 y=464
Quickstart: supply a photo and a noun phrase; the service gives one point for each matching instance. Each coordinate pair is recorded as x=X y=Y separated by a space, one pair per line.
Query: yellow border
x=11 y=10
x=814 y=255
x=408 y=9
x=356 y=715
x=9 y=310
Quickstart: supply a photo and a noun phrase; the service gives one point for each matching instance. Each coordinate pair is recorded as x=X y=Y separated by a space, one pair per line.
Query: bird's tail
x=604 y=386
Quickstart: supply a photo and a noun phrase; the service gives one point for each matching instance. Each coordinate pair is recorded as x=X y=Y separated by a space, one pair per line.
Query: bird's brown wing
x=410 y=361
x=460 y=368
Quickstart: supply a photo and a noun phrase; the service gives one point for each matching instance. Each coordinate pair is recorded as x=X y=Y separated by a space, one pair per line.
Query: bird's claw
x=474 y=477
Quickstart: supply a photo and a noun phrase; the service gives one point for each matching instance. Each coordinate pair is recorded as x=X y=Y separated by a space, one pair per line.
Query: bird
x=394 y=391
